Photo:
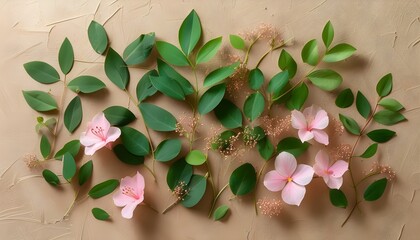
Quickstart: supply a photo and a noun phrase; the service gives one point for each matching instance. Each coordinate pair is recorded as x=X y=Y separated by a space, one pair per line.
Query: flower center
x=329 y=172
x=99 y=132
x=129 y=191
x=289 y=179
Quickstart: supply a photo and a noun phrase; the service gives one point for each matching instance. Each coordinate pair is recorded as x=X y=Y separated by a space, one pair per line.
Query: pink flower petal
x=293 y=193
x=322 y=163
x=89 y=139
x=310 y=112
x=273 y=181
x=285 y=164
x=305 y=135
x=99 y=120
x=320 y=136
x=129 y=182
x=120 y=199
x=334 y=183
x=303 y=174
x=90 y=150
x=113 y=134
x=298 y=120
x=339 y=168
x=127 y=211
x=320 y=121
x=139 y=182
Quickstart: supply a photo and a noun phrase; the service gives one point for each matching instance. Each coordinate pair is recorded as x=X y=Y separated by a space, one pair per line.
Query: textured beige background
x=386 y=34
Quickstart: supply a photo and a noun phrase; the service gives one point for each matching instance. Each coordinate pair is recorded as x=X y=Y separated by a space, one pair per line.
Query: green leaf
x=119 y=116
x=254 y=106
x=97 y=37
x=350 y=124
x=45 y=147
x=220 y=74
x=86 y=84
x=171 y=54
x=243 y=179
x=144 y=87
x=140 y=49
x=211 y=98
x=208 y=51
x=326 y=79
x=265 y=148
x=71 y=147
x=66 y=56
x=339 y=52
x=293 y=146
x=363 y=105
x=370 y=151
x=197 y=189
x=50 y=177
x=116 y=69
x=338 y=198
x=328 y=34
x=100 y=214
x=387 y=117
x=196 y=158
x=157 y=118
x=391 y=104
x=381 y=135
x=345 y=99
x=287 y=63
x=220 y=213
x=103 y=188
x=384 y=86
x=168 y=71
x=257 y=133
x=168 y=86
x=42 y=72
x=73 y=114
x=228 y=114
x=168 y=149
x=189 y=32
x=126 y=157
x=134 y=141
x=255 y=79
x=310 y=53
x=278 y=82
x=85 y=172
x=375 y=190
x=179 y=172
x=222 y=143
x=69 y=166
x=237 y=42
x=40 y=101
x=298 y=97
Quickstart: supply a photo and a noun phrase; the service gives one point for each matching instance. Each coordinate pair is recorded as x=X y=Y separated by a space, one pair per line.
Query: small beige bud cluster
x=180 y=191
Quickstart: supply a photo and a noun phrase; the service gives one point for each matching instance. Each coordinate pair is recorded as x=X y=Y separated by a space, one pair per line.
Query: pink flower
x=289 y=177
x=130 y=195
x=332 y=174
x=310 y=124
x=99 y=134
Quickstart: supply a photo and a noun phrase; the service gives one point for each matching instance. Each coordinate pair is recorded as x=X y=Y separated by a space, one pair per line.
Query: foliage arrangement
x=257 y=122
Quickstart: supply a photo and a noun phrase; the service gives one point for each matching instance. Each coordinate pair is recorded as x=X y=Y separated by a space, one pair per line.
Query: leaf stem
x=76 y=194
x=249 y=50
x=61 y=106
x=273 y=48
x=216 y=198
x=170 y=206
x=351 y=212
x=210 y=178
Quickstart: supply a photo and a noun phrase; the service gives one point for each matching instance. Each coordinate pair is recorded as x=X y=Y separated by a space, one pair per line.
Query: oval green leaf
x=298 y=97
x=50 y=177
x=265 y=148
x=350 y=124
x=363 y=105
x=310 y=53
x=100 y=214
x=391 y=104
x=171 y=54
x=237 y=42
x=85 y=172
x=384 y=86
x=189 y=32
x=338 y=198
x=196 y=190
x=66 y=56
x=328 y=34
x=168 y=149
x=220 y=213
x=381 y=135
x=168 y=86
x=345 y=98
x=254 y=106
x=42 y=72
x=126 y=157
x=119 y=116
x=72 y=147
x=168 y=71
x=134 y=141
x=339 y=52
x=211 y=98
x=278 y=82
x=45 y=147
x=103 y=188
x=97 y=37
x=388 y=118
x=293 y=146
x=69 y=166
x=196 y=158
x=287 y=63
x=73 y=114
x=116 y=69
x=40 y=101
x=140 y=49
x=208 y=51
x=375 y=190
x=255 y=78
x=229 y=115
x=326 y=79
x=144 y=87
x=157 y=118
x=220 y=74
x=243 y=180
x=370 y=151
x=179 y=173
x=86 y=84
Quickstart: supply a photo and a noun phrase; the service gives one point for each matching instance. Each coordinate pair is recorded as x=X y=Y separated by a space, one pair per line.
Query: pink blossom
x=99 y=134
x=332 y=174
x=130 y=195
x=289 y=177
x=310 y=124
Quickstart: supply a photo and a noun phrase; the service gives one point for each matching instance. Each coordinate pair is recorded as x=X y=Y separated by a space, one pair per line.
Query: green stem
x=249 y=50
x=273 y=48
x=76 y=194
x=210 y=178
x=60 y=109
x=351 y=212
x=366 y=177
x=216 y=198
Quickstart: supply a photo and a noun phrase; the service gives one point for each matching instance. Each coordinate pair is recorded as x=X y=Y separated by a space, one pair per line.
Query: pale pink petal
x=298 y=120
x=139 y=182
x=127 y=211
x=120 y=199
x=305 y=135
x=273 y=181
x=339 y=168
x=88 y=140
x=320 y=136
x=310 y=112
x=285 y=164
x=320 y=121
x=293 y=193
x=113 y=134
x=334 y=183
x=130 y=182
x=303 y=174
x=322 y=163
x=99 y=120
x=90 y=150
